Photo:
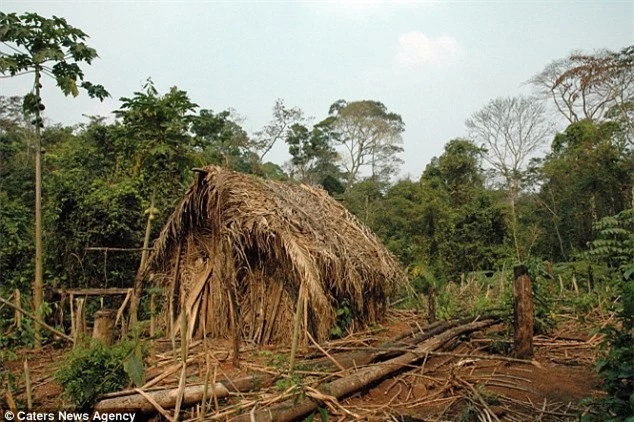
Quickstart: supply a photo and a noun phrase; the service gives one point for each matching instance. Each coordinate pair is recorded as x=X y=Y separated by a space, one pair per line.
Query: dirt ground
x=470 y=379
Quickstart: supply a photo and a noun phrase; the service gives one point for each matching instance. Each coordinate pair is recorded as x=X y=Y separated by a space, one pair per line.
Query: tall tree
x=222 y=140
x=511 y=129
x=458 y=170
x=277 y=129
x=590 y=86
x=155 y=131
x=370 y=136
x=313 y=157
x=155 y=135
x=585 y=177
x=44 y=47
x=471 y=236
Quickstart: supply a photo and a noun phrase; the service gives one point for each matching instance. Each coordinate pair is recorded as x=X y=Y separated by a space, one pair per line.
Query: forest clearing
x=158 y=264
x=469 y=374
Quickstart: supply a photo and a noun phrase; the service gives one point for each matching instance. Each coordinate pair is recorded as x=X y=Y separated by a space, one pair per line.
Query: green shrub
x=344 y=320
x=615 y=245
x=88 y=372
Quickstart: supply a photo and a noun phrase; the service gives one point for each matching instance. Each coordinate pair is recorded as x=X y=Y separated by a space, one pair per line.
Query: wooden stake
x=18 y=314
x=172 y=292
x=234 y=314
x=298 y=321
x=80 y=315
x=184 y=353
x=73 y=329
x=590 y=278
x=27 y=378
x=523 y=313
x=138 y=281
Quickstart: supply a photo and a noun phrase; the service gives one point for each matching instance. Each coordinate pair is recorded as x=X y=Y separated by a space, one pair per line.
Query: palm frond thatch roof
x=241 y=244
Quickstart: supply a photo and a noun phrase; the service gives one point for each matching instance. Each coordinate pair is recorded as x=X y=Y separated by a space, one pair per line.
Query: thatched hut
x=240 y=246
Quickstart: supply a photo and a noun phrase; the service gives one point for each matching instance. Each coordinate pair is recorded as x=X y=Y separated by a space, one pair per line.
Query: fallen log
x=132 y=401
x=296 y=408
x=166 y=398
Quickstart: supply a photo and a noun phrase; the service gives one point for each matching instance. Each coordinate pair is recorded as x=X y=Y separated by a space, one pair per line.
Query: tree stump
x=103 y=330
x=523 y=313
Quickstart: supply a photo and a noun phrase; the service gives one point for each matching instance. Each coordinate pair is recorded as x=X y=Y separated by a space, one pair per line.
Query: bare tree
x=590 y=86
x=595 y=86
x=511 y=130
x=278 y=128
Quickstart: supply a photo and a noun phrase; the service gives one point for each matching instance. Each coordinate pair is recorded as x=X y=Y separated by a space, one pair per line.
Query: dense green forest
x=489 y=200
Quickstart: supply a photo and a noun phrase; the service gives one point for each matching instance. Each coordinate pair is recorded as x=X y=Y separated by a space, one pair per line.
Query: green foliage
x=90 y=371
x=586 y=176
x=51 y=46
x=543 y=301
x=223 y=141
x=344 y=318
x=13 y=337
x=313 y=155
x=284 y=384
x=276 y=360
x=323 y=415
x=615 y=245
x=154 y=137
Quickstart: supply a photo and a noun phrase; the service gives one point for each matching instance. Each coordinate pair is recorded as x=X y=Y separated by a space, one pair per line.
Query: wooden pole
x=234 y=314
x=523 y=312
x=38 y=282
x=138 y=281
x=18 y=314
x=172 y=292
x=80 y=315
x=29 y=387
x=297 y=323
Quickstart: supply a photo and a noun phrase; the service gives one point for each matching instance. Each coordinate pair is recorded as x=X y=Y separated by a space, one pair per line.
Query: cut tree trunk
x=166 y=398
x=103 y=329
x=523 y=314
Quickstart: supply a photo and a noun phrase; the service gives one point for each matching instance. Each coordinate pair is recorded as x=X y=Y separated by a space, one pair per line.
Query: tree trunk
x=165 y=398
x=523 y=313
x=38 y=283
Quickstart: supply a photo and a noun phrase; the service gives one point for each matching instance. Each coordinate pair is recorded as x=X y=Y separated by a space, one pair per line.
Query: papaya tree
x=44 y=47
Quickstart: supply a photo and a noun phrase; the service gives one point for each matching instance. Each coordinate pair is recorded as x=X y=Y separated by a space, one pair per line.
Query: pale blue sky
x=435 y=63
